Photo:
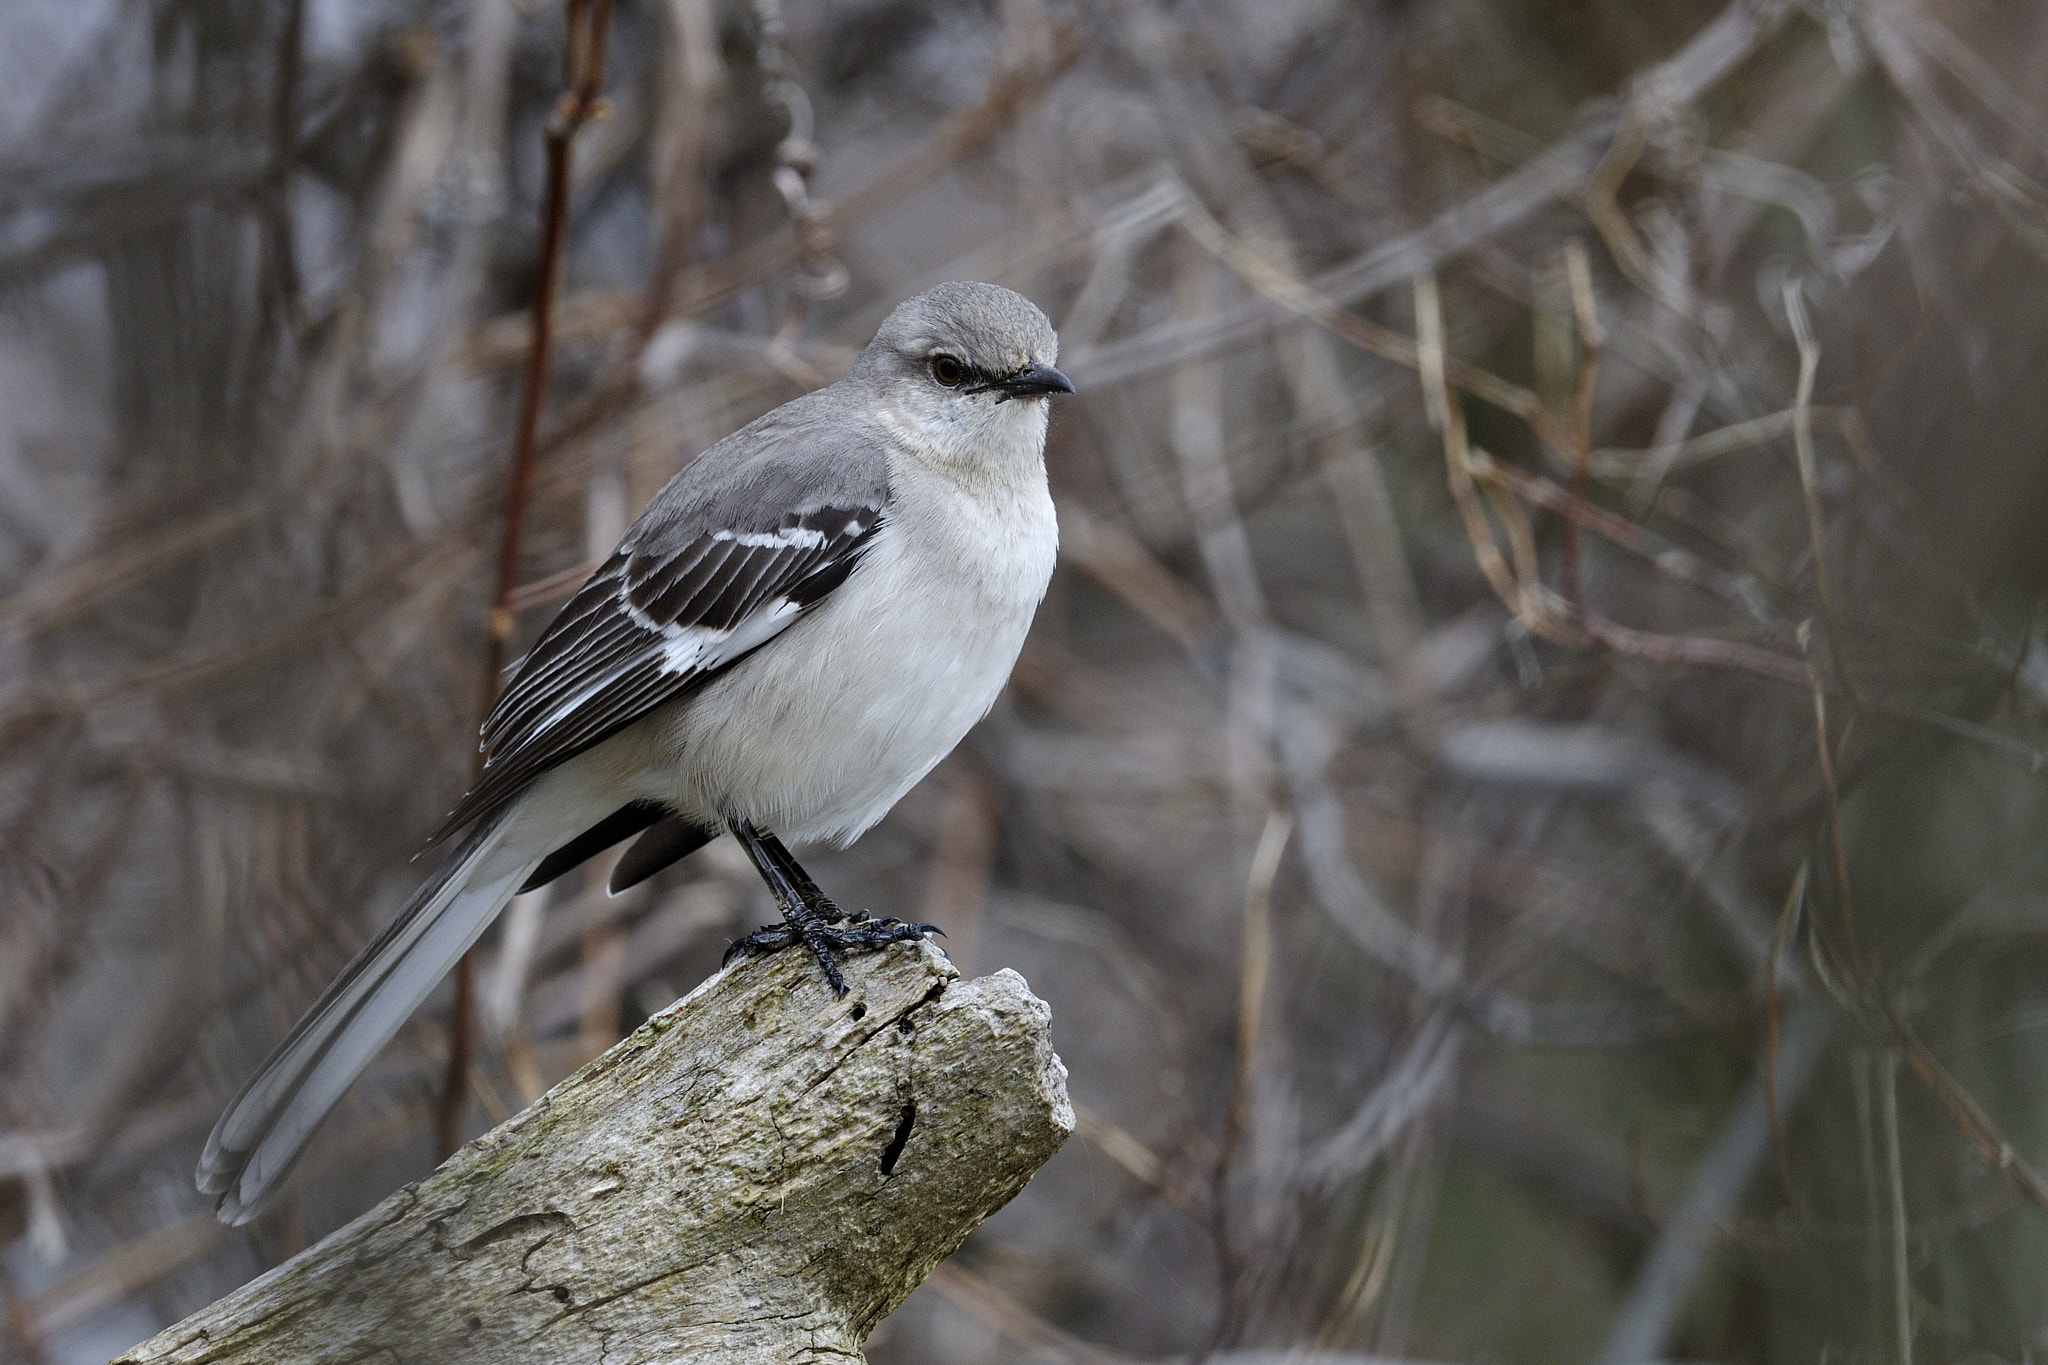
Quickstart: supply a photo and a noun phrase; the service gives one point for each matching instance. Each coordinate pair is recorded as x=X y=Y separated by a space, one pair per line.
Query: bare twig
x=1560 y=171
x=1449 y=420
x=1809 y=478
x=1517 y=586
x=1795 y=900
x=583 y=78
x=1895 y=1181
x=1592 y=341
x=1013 y=1320
x=1255 y=952
x=1991 y=1145
x=140 y=1262
x=962 y=851
x=1013 y=86
x=1120 y=562
x=1255 y=959
x=1658 y=1294
x=1838 y=847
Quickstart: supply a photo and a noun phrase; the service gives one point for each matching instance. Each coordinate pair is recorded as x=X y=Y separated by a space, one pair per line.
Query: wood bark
x=759 y=1173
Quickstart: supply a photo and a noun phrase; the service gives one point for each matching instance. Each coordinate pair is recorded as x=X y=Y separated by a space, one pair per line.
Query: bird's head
x=962 y=373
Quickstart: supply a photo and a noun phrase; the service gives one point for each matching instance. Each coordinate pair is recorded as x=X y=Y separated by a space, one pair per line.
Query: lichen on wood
x=759 y=1173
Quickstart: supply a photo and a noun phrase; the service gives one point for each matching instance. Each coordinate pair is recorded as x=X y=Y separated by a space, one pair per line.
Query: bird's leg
x=803 y=917
x=800 y=922
x=821 y=904
x=868 y=931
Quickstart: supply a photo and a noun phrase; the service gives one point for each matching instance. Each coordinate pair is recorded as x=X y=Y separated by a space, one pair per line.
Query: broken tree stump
x=759 y=1173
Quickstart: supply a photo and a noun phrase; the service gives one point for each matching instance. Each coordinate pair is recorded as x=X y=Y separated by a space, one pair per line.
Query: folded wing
x=657 y=620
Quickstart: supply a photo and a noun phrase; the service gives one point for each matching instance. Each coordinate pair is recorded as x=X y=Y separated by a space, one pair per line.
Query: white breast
x=820 y=732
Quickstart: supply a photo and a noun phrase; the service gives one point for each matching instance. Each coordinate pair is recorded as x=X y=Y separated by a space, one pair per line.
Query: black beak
x=1033 y=381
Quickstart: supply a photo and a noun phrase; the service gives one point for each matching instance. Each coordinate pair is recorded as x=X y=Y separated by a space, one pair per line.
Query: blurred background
x=1525 y=797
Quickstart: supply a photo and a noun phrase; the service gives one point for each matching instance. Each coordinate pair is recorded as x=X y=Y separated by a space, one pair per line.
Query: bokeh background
x=1526 y=794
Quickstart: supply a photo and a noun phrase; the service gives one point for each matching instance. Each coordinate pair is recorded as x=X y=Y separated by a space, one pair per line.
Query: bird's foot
x=827 y=909
x=824 y=940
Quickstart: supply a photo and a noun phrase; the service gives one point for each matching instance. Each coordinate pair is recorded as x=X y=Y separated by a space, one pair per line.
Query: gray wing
x=740 y=544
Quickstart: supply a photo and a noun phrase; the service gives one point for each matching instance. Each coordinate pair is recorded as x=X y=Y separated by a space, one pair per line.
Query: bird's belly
x=818 y=734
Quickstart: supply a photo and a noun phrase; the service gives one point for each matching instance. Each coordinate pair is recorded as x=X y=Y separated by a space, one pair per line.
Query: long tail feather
x=264 y=1130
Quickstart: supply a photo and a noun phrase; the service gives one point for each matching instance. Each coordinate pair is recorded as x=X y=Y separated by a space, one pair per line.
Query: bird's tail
x=260 y=1137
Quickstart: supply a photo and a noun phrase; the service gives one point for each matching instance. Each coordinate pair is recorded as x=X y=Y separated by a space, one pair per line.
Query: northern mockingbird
x=802 y=623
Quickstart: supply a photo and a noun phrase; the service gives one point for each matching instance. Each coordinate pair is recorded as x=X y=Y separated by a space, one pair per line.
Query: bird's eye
x=948 y=370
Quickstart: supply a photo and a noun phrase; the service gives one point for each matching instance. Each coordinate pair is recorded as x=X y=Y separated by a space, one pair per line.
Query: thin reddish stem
x=588 y=23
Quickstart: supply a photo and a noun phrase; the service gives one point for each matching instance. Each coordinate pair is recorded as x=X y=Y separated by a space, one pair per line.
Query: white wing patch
x=786 y=538
x=687 y=649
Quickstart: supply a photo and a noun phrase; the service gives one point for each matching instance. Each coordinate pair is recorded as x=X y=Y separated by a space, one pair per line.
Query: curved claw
x=764 y=940
x=891 y=922
x=865 y=931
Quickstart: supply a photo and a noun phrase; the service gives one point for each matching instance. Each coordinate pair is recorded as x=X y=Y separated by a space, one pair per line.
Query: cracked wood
x=759 y=1173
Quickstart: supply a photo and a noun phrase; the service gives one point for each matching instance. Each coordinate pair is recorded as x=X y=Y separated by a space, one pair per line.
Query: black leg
x=808 y=913
x=821 y=904
x=799 y=922
x=826 y=909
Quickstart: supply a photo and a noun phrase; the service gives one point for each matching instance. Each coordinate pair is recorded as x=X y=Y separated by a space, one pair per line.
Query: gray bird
x=800 y=625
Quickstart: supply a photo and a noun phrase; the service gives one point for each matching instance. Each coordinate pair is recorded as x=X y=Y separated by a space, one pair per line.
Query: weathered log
x=759 y=1173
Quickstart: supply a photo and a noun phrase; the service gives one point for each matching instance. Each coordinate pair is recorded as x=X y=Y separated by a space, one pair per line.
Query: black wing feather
x=665 y=842
x=769 y=520
x=620 y=648
x=623 y=823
